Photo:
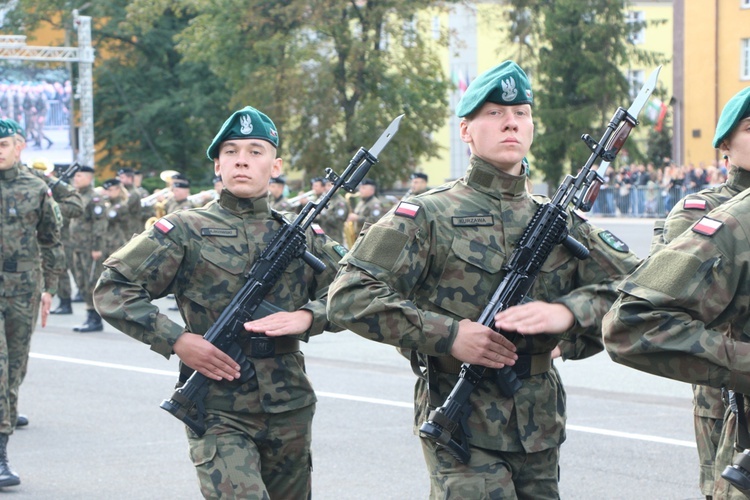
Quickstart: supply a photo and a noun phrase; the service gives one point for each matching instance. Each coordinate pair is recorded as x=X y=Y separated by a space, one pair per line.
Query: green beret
x=735 y=110
x=247 y=123
x=7 y=128
x=504 y=84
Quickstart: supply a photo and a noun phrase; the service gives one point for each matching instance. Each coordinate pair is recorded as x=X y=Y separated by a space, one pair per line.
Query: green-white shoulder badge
x=613 y=241
x=339 y=249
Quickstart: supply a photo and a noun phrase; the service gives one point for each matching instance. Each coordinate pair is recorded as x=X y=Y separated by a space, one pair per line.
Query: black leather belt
x=268 y=347
x=526 y=365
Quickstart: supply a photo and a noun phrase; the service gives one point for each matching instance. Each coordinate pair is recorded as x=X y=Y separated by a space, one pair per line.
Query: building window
x=637 y=27
x=436 y=27
x=745 y=59
x=636 y=79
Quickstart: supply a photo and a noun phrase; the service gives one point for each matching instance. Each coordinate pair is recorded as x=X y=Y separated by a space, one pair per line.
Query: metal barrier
x=639 y=201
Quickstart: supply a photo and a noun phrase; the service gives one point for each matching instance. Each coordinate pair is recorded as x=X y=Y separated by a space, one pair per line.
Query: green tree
x=577 y=77
x=331 y=73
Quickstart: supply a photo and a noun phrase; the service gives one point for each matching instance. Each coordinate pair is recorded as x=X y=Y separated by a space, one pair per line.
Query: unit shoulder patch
x=613 y=241
x=317 y=229
x=707 y=226
x=163 y=226
x=406 y=209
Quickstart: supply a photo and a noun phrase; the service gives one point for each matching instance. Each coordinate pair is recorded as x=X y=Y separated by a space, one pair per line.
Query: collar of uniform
x=244 y=205
x=487 y=179
x=738 y=178
x=9 y=174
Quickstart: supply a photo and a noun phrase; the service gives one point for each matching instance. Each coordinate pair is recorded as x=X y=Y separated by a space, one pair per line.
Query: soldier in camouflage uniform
x=135 y=223
x=332 y=218
x=276 y=196
x=418 y=185
x=180 y=192
x=369 y=209
x=88 y=233
x=257 y=444
x=708 y=404
x=31 y=256
x=419 y=278
x=684 y=313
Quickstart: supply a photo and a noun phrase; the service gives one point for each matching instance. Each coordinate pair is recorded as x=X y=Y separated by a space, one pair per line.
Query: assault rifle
x=447 y=425
x=288 y=243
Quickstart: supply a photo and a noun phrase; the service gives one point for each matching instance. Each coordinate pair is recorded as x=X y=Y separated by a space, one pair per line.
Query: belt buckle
x=262 y=347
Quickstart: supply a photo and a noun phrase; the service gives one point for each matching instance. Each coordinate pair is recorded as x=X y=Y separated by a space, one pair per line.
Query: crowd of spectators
x=643 y=190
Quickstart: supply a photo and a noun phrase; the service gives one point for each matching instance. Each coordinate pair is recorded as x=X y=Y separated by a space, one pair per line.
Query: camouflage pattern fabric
x=410 y=279
x=135 y=224
x=201 y=256
x=684 y=314
x=280 y=204
x=332 y=218
x=708 y=406
x=175 y=206
x=87 y=234
x=118 y=215
x=369 y=210
x=32 y=259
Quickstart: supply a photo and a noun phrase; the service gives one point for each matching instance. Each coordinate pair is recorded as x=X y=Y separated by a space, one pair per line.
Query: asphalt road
x=97 y=430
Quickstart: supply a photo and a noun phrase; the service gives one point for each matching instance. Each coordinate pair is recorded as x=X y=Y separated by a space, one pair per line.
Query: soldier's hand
x=46 y=304
x=204 y=357
x=535 y=317
x=282 y=323
x=480 y=345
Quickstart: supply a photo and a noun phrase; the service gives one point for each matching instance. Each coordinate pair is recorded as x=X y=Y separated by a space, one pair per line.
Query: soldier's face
x=318 y=188
x=737 y=147
x=276 y=189
x=500 y=135
x=10 y=151
x=246 y=165
x=418 y=185
x=82 y=179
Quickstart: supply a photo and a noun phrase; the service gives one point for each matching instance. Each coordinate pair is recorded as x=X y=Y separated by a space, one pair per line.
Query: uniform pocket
x=203 y=450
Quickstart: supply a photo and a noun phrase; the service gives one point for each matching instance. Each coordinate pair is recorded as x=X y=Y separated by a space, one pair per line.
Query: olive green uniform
x=258 y=439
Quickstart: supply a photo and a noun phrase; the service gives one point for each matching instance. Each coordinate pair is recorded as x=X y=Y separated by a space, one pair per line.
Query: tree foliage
x=577 y=74
x=330 y=73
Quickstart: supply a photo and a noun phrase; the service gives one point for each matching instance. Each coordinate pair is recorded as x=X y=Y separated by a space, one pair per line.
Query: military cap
x=180 y=183
x=179 y=177
x=318 y=179
x=277 y=180
x=111 y=182
x=505 y=84
x=418 y=175
x=736 y=109
x=7 y=128
x=246 y=123
x=368 y=182
x=126 y=171
x=86 y=168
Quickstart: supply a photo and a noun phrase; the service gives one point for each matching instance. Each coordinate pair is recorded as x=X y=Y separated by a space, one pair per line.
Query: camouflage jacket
x=332 y=218
x=88 y=231
x=118 y=215
x=136 y=223
x=707 y=401
x=30 y=223
x=437 y=259
x=175 y=206
x=280 y=204
x=67 y=198
x=201 y=256
x=685 y=313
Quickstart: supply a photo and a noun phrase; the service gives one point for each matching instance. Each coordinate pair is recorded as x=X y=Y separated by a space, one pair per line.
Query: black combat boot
x=7 y=476
x=93 y=324
x=63 y=308
x=77 y=298
x=85 y=323
x=22 y=421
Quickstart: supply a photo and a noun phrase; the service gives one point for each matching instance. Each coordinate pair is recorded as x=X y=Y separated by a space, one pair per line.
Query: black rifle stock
x=447 y=425
x=287 y=244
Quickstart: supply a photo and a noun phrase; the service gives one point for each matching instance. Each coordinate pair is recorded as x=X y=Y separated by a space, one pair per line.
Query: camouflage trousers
x=254 y=456
x=725 y=453
x=707 y=435
x=64 y=289
x=18 y=315
x=492 y=474
x=86 y=272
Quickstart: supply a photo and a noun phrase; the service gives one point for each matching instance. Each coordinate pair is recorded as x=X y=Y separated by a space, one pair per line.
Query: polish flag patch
x=317 y=229
x=695 y=204
x=707 y=227
x=406 y=209
x=164 y=226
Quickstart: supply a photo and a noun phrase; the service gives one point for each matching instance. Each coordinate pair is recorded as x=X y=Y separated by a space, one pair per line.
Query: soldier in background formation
x=333 y=217
x=180 y=192
x=684 y=313
x=420 y=277
x=418 y=184
x=135 y=224
x=369 y=210
x=276 y=196
x=258 y=438
x=89 y=245
x=32 y=258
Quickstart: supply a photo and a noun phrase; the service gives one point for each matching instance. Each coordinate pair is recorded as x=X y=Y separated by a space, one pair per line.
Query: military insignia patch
x=339 y=249
x=707 y=227
x=409 y=210
x=317 y=229
x=694 y=204
x=613 y=241
x=164 y=226
x=49 y=193
x=98 y=210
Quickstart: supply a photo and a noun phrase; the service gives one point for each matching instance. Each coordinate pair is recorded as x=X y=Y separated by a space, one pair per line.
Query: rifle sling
x=527 y=365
